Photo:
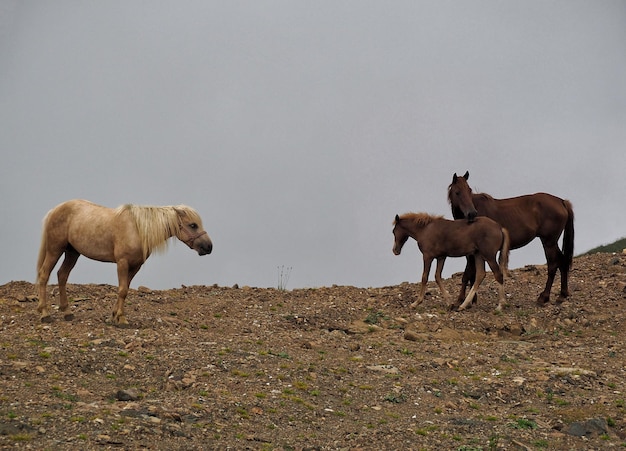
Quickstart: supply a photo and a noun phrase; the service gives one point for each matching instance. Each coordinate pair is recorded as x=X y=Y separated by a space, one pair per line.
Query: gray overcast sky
x=298 y=129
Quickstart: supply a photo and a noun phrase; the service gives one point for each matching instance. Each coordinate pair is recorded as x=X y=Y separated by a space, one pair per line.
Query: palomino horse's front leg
x=427 y=263
x=480 y=275
x=125 y=275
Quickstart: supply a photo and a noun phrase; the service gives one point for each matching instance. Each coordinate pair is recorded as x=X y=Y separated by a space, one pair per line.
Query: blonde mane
x=156 y=224
x=420 y=220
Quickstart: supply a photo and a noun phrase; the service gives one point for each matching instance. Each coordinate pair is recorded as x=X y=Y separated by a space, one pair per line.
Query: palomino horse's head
x=400 y=235
x=190 y=230
x=460 y=198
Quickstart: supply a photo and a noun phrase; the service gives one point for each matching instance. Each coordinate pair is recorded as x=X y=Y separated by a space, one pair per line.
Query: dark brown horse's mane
x=483 y=195
x=420 y=219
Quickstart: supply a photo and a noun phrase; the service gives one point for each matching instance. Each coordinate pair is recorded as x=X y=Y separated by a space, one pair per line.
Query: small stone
x=127 y=395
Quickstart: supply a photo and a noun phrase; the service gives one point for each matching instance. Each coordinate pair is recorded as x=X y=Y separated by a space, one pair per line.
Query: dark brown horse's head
x=400 y=236
x=460 y=198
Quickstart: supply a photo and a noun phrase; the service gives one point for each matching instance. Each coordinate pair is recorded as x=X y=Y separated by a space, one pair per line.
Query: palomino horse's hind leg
x=43 y=275
x=480 y=275
x=71 y=256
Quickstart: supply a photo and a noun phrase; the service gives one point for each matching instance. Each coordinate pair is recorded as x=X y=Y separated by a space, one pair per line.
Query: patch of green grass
x=375 y=317
x=523 y=423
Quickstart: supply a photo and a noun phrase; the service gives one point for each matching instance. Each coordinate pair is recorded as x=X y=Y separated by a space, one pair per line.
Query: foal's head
x=460 y=198
x=400 y=235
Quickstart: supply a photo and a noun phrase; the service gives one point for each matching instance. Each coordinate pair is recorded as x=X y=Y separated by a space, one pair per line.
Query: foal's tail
x=568 y=236
x=503 y=260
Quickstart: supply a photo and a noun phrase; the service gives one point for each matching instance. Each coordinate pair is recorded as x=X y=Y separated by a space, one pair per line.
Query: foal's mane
x=420 y=220
x=156 y=224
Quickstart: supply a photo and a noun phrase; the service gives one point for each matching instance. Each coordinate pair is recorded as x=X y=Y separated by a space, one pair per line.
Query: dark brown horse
x=525 y=217
x=438 y=238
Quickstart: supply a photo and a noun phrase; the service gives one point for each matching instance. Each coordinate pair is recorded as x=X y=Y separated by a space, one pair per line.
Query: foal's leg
x=499 y=276
x=480 y=275
x=43 y=275
x=444 y=292
x=125 y=274
x=553 y=258
x=427 y=263
x=71 y=256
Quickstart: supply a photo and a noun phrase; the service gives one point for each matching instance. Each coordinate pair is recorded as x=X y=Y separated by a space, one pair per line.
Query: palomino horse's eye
x=193 y=225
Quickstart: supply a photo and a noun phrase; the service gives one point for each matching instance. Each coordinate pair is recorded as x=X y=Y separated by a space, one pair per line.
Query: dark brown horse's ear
x=454 y=177
x=397 y=218
x=466 y=176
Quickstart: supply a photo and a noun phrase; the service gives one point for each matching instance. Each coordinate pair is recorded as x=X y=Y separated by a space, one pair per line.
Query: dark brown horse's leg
x=71 y=256
x=480 y=275
x=469 y=276
x=564 y=268
x=553 y=259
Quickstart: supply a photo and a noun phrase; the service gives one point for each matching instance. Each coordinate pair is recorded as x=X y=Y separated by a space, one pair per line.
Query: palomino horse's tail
x=42 y=247
x=568 y=235
x=503 y=260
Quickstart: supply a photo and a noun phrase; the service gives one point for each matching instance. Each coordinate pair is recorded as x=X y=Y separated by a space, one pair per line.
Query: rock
x=127 y=395
x=589 y=428
x=384 y=368
x=411 y=335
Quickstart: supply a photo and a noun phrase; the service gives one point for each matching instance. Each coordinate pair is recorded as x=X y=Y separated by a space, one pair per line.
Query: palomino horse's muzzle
x=204 y=247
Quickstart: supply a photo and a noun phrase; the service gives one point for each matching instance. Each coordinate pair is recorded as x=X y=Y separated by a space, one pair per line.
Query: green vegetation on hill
x=617 y=246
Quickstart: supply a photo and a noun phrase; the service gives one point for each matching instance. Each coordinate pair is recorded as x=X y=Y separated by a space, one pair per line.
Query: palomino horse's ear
x=180 y=212
x=466 y=176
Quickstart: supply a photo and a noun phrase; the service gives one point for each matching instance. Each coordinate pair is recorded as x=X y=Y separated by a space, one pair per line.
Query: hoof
x=415 y=304
x=120 y=322
x=68 y=317
x=46 y=319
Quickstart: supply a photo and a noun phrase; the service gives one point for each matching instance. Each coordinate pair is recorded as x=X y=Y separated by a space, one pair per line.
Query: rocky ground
x=320 y=369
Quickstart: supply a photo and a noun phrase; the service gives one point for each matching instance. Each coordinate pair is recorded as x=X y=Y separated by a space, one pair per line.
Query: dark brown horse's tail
x=568 y=235
x=503 y=260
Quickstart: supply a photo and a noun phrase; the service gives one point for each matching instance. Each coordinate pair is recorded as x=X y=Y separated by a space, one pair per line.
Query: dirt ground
x=333 y=368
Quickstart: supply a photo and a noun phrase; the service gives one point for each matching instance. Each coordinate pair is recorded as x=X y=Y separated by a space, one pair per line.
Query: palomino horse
x=525 y=217
x=126 y=236
x=438 y=238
